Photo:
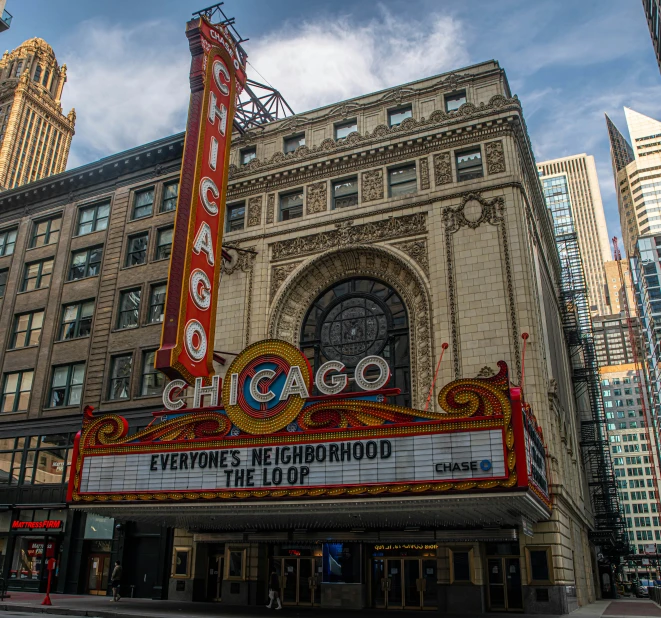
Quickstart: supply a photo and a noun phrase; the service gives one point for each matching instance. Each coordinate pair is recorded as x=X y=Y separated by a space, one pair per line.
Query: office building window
x=461 y=566
x=157 y=303
x=397 y=116
x=136 y=252
x=248 y=154
x=4 y=273
x=469 y=164
x=120 y=376
x=163 y=243
x=344 y=128
x=291 y=205
x=67 y=385
x=46 y=232
x=27 y=329
x=129 y=308
x=170 y=194
x=402 y=180
x=7 y=242
x=236 y=214
x=93 y=218
x=345 y=192
x=37 y=275
x=152 y=379
x=77 y=320
x=293 y=142
x=454 y=101
x=143 y=203
x=85 y=263
x=540 y=570
x=16 y=389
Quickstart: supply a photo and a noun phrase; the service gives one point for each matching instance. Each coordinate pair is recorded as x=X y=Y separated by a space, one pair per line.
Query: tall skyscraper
x=637 y=174
x=589 y=220
x=652 y=12
x=617 y=286
x=35 y=136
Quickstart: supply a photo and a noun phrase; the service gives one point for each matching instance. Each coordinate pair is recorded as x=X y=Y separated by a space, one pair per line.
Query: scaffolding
x=610 y=525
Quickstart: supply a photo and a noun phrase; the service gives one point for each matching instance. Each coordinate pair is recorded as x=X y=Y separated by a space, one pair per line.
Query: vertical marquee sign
x=217 y=76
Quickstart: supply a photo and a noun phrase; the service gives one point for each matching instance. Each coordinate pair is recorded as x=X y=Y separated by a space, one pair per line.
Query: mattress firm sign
x=468 y=455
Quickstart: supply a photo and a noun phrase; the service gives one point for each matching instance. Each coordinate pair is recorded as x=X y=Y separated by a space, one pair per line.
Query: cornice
x=406 y=130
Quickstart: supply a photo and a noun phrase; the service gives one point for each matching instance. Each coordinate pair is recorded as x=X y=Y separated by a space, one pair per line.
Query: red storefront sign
x=37 y=525
x=217 y=76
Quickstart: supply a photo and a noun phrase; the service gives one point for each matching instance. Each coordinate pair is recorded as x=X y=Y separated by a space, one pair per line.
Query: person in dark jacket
x=116 y=579
x=274 y=589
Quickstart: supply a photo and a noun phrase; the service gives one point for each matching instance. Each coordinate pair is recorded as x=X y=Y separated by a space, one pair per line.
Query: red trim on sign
x=74 y=463
x=519 y=437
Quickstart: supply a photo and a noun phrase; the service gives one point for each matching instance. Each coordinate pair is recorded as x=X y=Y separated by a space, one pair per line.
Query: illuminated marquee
x=217 y=76
x=267 y=434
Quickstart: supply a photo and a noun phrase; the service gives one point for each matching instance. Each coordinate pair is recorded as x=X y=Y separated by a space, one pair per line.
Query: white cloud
x=315 y=64
x=129 y=86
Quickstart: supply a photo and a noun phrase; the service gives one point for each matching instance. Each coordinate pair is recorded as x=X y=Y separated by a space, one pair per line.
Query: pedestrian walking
x=274 y=589
x=116 y=579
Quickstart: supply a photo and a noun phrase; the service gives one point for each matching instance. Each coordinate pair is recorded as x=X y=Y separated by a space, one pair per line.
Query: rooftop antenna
x=259 y=103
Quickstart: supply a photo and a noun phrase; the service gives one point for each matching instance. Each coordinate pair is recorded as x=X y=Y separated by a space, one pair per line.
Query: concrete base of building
x=549 y=599
x=466 y=599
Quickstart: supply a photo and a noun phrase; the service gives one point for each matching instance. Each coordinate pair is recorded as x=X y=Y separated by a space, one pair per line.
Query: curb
x=63 y=611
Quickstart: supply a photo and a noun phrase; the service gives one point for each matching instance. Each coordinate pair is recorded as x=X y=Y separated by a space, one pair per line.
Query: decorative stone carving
x=495 y=157
x=270 y=208
x=442 y=169
x=346 y=233
x=416 y=249
x=479 y=211
x=295 y=297
x=438 y=117
x=242 y=260
x=424 y=173
x=279 y=275
x=255 y=211
x=486 y=372
x=372 y=182
x=316 y=199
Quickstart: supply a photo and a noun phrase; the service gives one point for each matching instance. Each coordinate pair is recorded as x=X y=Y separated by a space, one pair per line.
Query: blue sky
x=569 y=61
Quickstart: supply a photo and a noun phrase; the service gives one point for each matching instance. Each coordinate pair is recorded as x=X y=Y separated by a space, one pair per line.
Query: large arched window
x=357 y=318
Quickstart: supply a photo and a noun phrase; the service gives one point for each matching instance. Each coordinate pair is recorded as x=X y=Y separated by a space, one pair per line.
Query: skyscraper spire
x=621 y=151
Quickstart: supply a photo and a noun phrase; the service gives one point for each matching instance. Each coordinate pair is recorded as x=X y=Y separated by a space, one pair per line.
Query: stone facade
x=35 y=136
x=473 y=260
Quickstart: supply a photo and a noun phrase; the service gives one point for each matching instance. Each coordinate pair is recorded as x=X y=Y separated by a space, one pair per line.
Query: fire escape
x=610 y=525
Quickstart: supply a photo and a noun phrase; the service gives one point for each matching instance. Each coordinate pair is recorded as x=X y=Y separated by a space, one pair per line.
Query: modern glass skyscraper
x=580 y=174
x=637 y=174
x=653 y=15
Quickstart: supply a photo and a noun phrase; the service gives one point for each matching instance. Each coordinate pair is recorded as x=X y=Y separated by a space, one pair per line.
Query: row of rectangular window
x=77 y=317
x=402 y=180
x=66 y=385
x=452 y=101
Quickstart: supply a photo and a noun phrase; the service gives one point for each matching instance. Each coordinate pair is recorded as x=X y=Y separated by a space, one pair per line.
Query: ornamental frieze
x=495 y=157
x=255 y=211
x=417 y=250
x=442 y=169
x=468 y=111
x=279 y=275
x=372 y=183
x=346 y=233
x=316 y=199
x=270 y=208
x=423 y=166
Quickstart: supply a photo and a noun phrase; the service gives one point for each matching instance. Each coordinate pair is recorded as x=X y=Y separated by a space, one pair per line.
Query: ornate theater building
x=380 y=431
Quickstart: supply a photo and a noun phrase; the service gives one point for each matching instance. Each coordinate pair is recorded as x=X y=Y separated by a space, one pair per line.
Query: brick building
x=421 y=202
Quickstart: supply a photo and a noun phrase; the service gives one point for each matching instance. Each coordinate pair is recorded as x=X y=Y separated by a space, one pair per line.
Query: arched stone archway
x=297 y=294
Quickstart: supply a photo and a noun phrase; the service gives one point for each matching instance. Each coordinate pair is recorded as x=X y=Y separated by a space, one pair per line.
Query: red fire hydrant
x=51 y=568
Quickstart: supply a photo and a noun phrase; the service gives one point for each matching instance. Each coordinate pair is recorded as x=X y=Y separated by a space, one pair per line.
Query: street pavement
x=24 y=605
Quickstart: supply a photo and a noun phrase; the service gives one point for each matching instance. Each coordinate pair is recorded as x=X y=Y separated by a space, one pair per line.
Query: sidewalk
x=103 y=607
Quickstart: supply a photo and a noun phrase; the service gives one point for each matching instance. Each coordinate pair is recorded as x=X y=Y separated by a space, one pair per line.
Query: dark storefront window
x=357 y=318
x=461 y=566
x=36 y=460
x=341 y=563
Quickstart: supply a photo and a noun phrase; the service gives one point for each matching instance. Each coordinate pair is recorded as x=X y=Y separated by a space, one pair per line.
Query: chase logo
x=485 y=465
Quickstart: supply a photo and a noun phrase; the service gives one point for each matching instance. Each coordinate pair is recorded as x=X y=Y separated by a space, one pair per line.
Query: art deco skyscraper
x=589 y=220
x=637 y=174
x=35 y=136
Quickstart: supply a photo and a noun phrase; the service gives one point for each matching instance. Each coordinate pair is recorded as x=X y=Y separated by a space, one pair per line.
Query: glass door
x=395 y=597
x=412 y=584
x=429 y=583
x=379 y=583
x=289 y=581
x=495 y=569
x=215 y=577
x=305 y=573
x=97 y=574
x=513 y=579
